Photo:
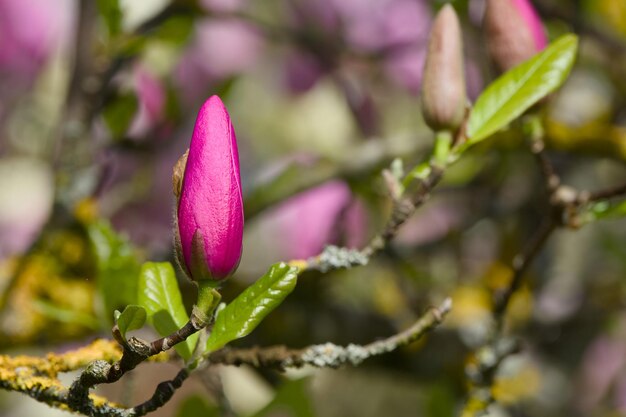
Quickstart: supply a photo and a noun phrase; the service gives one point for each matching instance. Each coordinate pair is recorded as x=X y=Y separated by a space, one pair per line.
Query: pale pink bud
x=443 y=86
x=514 y=32
x=210 y=208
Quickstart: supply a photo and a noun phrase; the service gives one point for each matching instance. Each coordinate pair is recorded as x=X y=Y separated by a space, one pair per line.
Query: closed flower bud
x=210 y=206
x=514 y=32
x=443 y=86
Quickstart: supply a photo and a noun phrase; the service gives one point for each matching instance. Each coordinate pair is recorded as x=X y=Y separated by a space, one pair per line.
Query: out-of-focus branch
x=564 y=204
x=521 y=262
x=334 y=257
x=617 y=191
x=329 y=355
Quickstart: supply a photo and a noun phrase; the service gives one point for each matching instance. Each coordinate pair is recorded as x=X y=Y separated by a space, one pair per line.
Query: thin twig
x=521 y=262
x=329 y=355
x=607 y=193
x=135 y=352
x=334 y=257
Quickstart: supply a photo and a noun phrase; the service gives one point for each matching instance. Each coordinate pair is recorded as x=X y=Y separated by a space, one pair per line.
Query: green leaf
x=197 y=406
x=175 y=30
x=132 y=318
x=293 y=397
x=520 y=88
x=160 y=296
x=606 y=210
x=111 y=13
x=246 y=311
x=119 y=113
x=117 y=266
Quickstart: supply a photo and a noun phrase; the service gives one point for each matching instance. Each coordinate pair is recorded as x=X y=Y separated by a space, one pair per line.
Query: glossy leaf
x=517 y=90
x=117 y=266
x=246 y=311
x=132 y=318
x=160 y=296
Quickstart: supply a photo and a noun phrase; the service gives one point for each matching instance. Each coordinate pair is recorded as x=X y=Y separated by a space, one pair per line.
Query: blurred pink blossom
x=221 y=49
x=533 y=21
x=318 y=217
x=222 y=6
x=302 y=71
x=152 y=97
x=396 y=29
x=406 y=68
x=30 y=32
x=601 y=364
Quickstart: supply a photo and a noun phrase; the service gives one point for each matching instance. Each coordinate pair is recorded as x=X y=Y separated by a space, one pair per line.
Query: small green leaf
x=606 y=210
x=132 y=318
x=292 y=398
x=520 y=88
x=119 y=113
x=117 y=265
x=111 y=13
x=197 y=406
x=175 y=30
x=160 y=296
x=246 y=311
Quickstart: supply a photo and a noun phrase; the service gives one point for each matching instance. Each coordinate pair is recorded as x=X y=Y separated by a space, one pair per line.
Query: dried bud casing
x=514 y=32
x=443 y=86
x=210 y=206
x=178 y=174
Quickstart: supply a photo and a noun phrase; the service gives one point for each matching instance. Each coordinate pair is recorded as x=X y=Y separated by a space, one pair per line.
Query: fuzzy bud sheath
x=443 y=87
x=210 y=206
x=514 y=32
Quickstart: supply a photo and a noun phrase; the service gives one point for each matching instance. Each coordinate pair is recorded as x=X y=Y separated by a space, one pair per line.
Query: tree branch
x=329 y=355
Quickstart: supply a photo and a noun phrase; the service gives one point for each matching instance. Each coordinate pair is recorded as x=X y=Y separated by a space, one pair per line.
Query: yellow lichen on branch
x=37 y=376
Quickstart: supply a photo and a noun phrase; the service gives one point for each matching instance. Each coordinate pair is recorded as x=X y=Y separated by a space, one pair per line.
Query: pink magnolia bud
x=514 y=32
x=210 y=207
x=443 y=87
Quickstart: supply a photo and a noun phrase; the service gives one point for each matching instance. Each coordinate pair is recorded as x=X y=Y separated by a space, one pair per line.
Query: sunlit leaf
x=517 y=90
x=132 y=318
x=246 y=311
x=160 y=296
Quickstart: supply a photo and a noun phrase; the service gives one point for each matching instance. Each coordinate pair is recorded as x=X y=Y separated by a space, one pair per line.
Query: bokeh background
x=323 y=95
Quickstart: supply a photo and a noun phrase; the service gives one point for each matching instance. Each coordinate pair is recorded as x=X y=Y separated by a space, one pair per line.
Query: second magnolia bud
x=443 y=86
x=514 y=32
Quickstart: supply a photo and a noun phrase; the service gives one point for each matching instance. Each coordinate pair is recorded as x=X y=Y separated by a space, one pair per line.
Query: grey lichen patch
x=332 y=356
x=334 y=257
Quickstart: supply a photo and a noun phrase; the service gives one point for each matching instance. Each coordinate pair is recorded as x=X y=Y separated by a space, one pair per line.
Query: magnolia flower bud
x=514 y=32
x=210 y=206
x=443 y=86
